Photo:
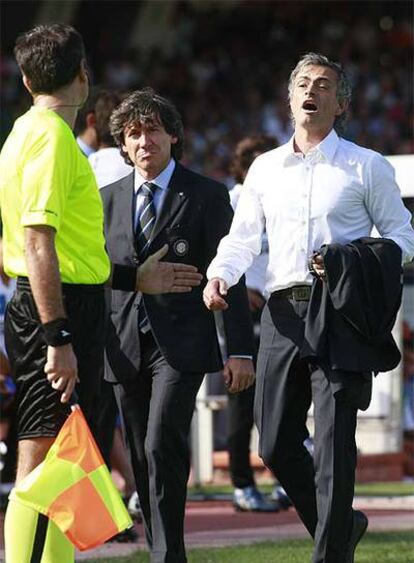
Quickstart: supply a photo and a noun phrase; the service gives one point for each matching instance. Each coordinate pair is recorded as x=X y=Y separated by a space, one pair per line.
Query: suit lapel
x=125 y=199
x=177 y=195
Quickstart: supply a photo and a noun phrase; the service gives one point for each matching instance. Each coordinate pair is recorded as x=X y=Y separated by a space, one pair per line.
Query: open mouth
x=309 y=106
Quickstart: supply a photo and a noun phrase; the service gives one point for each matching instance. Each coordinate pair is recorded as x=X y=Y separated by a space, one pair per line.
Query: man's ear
x=174 y=140
x=342 y=106
x=91 y=119
x=27 y=84
x=83 y=71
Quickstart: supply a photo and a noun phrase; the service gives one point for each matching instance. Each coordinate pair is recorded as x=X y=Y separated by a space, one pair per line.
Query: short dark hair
x=145 y=106
x=50 y=56
x=106 y=102
x=87 y=108
x=246 y=151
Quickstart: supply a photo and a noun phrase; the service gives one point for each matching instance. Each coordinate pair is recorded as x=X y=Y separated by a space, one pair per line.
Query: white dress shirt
x=334 y=193
x=108 y=166
x=256 y=274
x=161 y=181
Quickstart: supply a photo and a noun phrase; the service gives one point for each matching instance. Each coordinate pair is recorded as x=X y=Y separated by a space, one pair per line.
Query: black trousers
x=39 y=410
x=240 y=425
x=322 y=488
x=157 y=409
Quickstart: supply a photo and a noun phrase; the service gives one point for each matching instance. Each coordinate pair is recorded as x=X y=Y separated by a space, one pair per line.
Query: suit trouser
x=157 y=408
x=240 y=425
x=322 y=488
x=240 y=411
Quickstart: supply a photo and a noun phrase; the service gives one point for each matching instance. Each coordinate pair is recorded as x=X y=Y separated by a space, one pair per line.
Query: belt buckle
x=301 y=293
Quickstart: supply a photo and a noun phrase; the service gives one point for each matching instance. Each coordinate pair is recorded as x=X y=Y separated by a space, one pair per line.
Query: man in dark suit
x=159 y=347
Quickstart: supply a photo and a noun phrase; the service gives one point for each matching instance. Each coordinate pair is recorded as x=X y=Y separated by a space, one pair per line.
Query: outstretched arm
x=154 y=276
x=214 y=295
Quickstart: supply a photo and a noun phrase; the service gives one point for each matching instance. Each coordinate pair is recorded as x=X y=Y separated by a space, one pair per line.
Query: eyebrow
x=139 y=125
x=318 y=79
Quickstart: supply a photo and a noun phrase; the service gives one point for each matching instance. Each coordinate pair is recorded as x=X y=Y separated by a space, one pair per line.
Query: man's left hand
x=238 y=374
x=154 y=276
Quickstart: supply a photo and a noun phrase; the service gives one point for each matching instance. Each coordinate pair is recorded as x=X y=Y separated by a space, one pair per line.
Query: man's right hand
x=62 y=370
x=154 y=276
x=213 y=295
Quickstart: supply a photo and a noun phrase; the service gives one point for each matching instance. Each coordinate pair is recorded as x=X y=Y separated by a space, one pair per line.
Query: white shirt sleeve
x=237 y=250
x=386 y=208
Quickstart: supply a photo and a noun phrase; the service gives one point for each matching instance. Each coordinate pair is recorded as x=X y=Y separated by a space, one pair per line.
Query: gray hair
x=343 y=89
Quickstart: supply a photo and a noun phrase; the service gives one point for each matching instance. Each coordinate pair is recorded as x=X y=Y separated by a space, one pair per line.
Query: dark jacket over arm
x=351 y=315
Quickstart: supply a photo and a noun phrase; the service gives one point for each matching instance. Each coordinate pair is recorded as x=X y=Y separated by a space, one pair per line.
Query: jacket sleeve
x=123 y=276
x=237 y=320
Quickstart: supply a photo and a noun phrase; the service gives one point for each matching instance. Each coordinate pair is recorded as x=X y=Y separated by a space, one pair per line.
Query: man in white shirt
x=316 y=189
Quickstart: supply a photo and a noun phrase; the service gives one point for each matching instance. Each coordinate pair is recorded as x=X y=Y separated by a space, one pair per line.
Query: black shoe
x=359 y=527
x=251 y=499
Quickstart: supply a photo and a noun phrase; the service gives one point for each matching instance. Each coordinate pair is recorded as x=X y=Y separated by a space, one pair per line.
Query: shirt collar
x=325 y=150
x=161 y=181
x=86 y=149
x=328 y=146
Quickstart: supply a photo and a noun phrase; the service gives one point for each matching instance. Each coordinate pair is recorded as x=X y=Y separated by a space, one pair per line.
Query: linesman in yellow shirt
x=54 y=245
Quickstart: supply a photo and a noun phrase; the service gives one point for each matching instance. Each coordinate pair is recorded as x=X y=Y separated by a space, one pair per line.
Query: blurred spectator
x=85 y=125
x=226 y=88
x=107 y=162
x=246 y=496
x=408 y=399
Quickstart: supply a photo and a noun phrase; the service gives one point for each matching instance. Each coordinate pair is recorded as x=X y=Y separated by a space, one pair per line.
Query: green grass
x=389 y=547
x=380 y=489
x=364 y=489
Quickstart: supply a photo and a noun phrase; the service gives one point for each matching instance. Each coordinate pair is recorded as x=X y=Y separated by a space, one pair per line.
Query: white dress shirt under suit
x=334 y=193
x=161 y=181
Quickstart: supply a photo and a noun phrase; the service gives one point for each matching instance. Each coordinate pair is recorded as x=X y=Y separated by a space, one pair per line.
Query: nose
x=144 y=139
x=310 y=89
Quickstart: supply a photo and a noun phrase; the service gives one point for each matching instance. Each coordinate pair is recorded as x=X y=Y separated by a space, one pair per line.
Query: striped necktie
x=145 y=225
x=146 y=219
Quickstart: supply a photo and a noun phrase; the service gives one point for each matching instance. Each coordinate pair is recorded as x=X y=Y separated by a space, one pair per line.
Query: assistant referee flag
x=74 y=488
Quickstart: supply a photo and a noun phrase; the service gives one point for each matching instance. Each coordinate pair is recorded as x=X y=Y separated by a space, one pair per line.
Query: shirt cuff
x=241 y=357
x=223 y=274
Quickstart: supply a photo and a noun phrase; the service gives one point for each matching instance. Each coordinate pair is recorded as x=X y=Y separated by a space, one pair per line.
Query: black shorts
x=39 y=410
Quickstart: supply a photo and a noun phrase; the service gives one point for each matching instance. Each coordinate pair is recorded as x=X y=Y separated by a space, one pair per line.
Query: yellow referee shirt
x=46 y=180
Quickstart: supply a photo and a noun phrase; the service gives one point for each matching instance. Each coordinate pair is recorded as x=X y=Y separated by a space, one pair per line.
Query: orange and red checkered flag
x=74 y=488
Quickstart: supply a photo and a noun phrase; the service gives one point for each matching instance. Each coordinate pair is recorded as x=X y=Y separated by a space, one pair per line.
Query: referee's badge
x=181 y=247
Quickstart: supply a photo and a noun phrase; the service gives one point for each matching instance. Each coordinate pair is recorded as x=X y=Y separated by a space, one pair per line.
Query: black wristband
x=124 y=277
x=57 y=332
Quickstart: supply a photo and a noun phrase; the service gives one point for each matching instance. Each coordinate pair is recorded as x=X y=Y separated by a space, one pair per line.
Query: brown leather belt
x=297 y=293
